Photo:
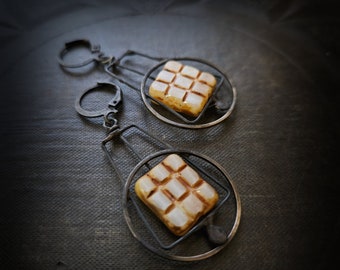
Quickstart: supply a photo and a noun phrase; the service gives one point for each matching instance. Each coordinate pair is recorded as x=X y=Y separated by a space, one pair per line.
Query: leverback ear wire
x=110 y=122
x=96 y=54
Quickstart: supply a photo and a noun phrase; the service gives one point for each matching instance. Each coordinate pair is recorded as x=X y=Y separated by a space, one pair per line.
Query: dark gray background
x=61 y=200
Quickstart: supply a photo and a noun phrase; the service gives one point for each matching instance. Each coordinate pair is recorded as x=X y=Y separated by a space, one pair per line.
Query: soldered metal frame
x=224 y=84
x=161 y=248
x=111 y=124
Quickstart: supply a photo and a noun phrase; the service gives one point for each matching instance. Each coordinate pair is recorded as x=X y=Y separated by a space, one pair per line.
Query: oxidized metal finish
x=219 y=106
x=142 y=225
x=109 y=121
x=138 y=217
x=98 y=55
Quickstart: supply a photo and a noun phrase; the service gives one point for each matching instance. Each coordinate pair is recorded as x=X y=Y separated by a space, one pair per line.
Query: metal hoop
x=103 y=112
x=98 y=56
x=159 y=251
x=185 y=123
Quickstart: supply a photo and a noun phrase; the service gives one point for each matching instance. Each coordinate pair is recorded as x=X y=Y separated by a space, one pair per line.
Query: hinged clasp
x=110 y=122
x=96 y=54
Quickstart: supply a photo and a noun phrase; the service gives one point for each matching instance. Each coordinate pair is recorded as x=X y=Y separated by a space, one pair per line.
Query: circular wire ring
x=148 y=103
x=98 y=56
x=159 y=251
x=116 y=99
x=77 y=43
